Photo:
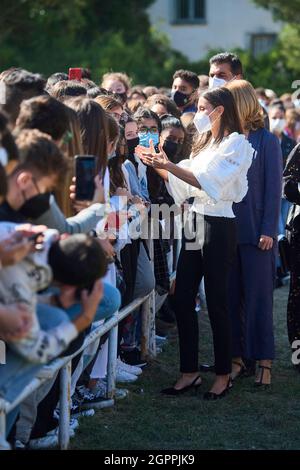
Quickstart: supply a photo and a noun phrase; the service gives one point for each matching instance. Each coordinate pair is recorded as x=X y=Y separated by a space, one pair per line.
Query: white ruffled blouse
x=221 y=171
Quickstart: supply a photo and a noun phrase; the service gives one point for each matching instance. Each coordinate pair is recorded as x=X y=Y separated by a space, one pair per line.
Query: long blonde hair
x=249 y=109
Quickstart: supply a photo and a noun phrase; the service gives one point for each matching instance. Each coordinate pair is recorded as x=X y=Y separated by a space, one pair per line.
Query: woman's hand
x=90 y=303
x=99 y=195
x=107 y=247
x=15 y=322
x=151 y=158
x=123 y=192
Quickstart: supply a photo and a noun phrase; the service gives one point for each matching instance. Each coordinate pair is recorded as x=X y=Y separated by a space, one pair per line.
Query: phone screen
x=85 y=172
x=75 y=73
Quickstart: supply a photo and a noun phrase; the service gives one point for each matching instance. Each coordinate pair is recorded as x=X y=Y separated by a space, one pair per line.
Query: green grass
x=246 y=419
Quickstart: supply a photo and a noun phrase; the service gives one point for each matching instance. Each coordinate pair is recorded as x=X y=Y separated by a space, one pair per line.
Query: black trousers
x=213 y=261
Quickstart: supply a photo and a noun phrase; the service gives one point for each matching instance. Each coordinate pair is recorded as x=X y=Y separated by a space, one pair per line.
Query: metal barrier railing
x=148 y=350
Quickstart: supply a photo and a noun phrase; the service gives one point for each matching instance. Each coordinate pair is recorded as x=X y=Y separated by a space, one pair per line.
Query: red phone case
x=75 y=73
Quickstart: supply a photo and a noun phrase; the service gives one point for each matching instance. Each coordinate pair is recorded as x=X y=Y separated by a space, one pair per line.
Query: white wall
x=229 y=24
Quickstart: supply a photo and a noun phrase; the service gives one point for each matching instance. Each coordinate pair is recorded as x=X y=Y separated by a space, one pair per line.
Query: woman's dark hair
x=67 y=89
x=55 y=78
x=117 y=179
x=145 y=113
x=94 y=92
x=6 y=138
x=3 y=182
x=168 y=122
x=169 y=104
x=230 y=120
x=94 y=129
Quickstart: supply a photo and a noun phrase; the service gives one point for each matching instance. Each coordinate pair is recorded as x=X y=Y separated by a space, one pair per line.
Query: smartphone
x=34 y=237
x=85 y=172
x=75 y=73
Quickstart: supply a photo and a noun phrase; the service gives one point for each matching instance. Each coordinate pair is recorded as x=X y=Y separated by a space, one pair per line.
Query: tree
x=285 y=10
x=288 y=46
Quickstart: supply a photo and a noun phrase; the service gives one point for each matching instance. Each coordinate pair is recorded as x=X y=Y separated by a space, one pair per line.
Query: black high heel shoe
x=174 y=392
x=241 y=372
x=211 y=396
x=260 y=383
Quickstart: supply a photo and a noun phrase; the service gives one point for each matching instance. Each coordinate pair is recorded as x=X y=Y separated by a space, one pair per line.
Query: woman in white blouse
x=215 y=176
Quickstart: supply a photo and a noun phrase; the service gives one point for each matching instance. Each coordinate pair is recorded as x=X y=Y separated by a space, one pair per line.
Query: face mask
x=131 y=144
x=145 y=139
x=277 y=125
x=263 y=104
x=180 y=98
x=202 y=122
x=3 y=156
x=171 y=149
x=215 y=82
x=36 y=206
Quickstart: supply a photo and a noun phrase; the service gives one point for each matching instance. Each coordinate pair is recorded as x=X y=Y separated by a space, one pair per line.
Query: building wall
x=229 y=24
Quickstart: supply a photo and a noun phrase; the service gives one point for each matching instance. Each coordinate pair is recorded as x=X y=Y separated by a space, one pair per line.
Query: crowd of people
x=226 y=156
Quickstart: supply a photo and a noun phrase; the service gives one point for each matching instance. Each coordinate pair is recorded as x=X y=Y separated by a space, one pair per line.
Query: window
x=262 y=43
x=189 y=11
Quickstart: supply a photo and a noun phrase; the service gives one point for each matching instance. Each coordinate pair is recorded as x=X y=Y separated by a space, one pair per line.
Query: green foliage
x=112 y=35
x=286 y=55
x=286 y=10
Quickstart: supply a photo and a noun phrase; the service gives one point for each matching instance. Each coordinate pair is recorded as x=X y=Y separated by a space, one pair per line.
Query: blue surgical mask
x=145 y=139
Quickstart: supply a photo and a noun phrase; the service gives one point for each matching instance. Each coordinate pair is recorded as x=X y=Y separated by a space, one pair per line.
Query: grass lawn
x=247 y=419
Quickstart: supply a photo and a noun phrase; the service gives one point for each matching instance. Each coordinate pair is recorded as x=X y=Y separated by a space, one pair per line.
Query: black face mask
x=36 y=206
x=180 y=98
x=131 y=144
x=171 y=149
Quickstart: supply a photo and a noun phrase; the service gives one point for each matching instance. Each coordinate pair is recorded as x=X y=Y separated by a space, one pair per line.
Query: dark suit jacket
x=258 y=213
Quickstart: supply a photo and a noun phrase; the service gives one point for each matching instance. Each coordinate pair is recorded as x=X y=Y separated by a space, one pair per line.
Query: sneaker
x=100 y=390
x=91 y=400
x=18 y=445
x=125 y=377
x=74 y=424
x=47 y=442
x=160 y=340
x=128 y=368
x=133 y=357
x=50 y=441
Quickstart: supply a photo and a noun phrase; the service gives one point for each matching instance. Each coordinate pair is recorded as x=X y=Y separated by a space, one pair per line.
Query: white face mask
x=215 y=82
x=3 y=156
x=202 y=122
x=263 y=104
x=277 y=125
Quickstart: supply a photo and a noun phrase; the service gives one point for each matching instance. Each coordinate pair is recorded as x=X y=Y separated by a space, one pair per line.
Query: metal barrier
x=148 y=350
